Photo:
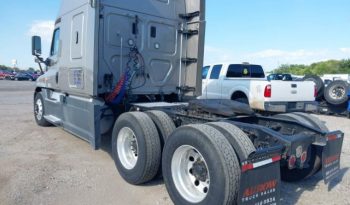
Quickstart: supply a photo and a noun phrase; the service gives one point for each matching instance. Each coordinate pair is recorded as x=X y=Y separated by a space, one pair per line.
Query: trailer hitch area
x=261 y=178
x=331 y=156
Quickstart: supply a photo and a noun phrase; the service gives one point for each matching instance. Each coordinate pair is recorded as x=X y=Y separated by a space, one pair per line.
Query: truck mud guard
x=331 y=156
x=261 y=178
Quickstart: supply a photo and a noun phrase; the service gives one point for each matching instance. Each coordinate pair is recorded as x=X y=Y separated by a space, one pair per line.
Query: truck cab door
x=52 y=74
x=214 y=83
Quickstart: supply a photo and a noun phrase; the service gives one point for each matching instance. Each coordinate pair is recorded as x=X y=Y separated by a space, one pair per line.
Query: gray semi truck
x=131 y=69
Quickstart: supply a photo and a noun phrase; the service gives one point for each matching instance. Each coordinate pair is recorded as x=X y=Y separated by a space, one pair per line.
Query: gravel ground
x=50 y=166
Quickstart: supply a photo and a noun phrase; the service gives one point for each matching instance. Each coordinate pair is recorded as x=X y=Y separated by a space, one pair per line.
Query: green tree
x=320 y=68
x=31 y=70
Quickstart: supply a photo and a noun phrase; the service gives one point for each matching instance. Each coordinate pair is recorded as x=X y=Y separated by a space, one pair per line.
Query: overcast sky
x=267 y=32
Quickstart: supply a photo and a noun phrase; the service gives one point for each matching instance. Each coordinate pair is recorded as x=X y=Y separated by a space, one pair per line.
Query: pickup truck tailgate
x=293 y=91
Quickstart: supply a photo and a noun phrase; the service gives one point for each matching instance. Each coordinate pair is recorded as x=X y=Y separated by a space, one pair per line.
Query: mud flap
x=261 y=179
x=331 y=156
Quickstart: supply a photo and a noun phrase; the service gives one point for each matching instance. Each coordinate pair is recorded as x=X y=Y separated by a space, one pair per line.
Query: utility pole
x=14 y=64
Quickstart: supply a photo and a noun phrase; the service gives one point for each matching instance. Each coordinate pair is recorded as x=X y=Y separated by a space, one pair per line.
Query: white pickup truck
x=247 y=83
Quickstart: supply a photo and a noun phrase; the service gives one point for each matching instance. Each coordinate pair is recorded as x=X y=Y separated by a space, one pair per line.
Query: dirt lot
x=50 y=166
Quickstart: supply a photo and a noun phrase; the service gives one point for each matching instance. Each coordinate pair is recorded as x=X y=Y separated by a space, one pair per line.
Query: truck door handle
x=294 y=85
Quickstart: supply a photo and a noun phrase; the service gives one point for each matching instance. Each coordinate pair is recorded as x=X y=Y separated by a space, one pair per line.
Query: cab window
x=257 y=71
x=55 y=42
x=245 y=71
x=215 y=72
x=205 y=71
x=235 y=71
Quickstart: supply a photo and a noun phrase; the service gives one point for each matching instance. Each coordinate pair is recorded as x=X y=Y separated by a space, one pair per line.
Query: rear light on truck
x=333 y=137
x=268 y=91
x=291 y=162
x=315 y=91
x=303 y=157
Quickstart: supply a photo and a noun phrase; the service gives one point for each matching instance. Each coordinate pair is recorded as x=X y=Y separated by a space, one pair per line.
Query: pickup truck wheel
x=242 y=100
x=336 y=93
x=314 y=152
x=39 y=110
x=318 y=82
x=200 y=167
x=136 y=148
x=239 y=141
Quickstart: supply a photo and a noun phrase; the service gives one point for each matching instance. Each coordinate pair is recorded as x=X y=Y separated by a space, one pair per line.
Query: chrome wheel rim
x=190 y=174
x=337 y=93
x=38 y=109
x=127 y=148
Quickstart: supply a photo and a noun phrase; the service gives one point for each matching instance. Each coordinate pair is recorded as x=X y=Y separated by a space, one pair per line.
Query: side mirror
x=36 y=46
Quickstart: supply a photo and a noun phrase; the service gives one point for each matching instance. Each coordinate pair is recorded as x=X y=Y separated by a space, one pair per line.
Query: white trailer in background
x=334 y=77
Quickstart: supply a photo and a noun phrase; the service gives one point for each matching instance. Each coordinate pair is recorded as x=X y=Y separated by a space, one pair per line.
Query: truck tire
x=136 y=147
x=314 y=152
x=200 y=167
x=39 y=110
x=165 y=126
x=239 y=141
x=318 y=82
x=336 y=93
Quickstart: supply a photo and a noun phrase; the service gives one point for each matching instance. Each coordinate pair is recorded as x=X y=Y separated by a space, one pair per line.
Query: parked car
x=23 y=76
x=35 y=75
x=9 y=75
x=247 y=84
x=2 y=75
